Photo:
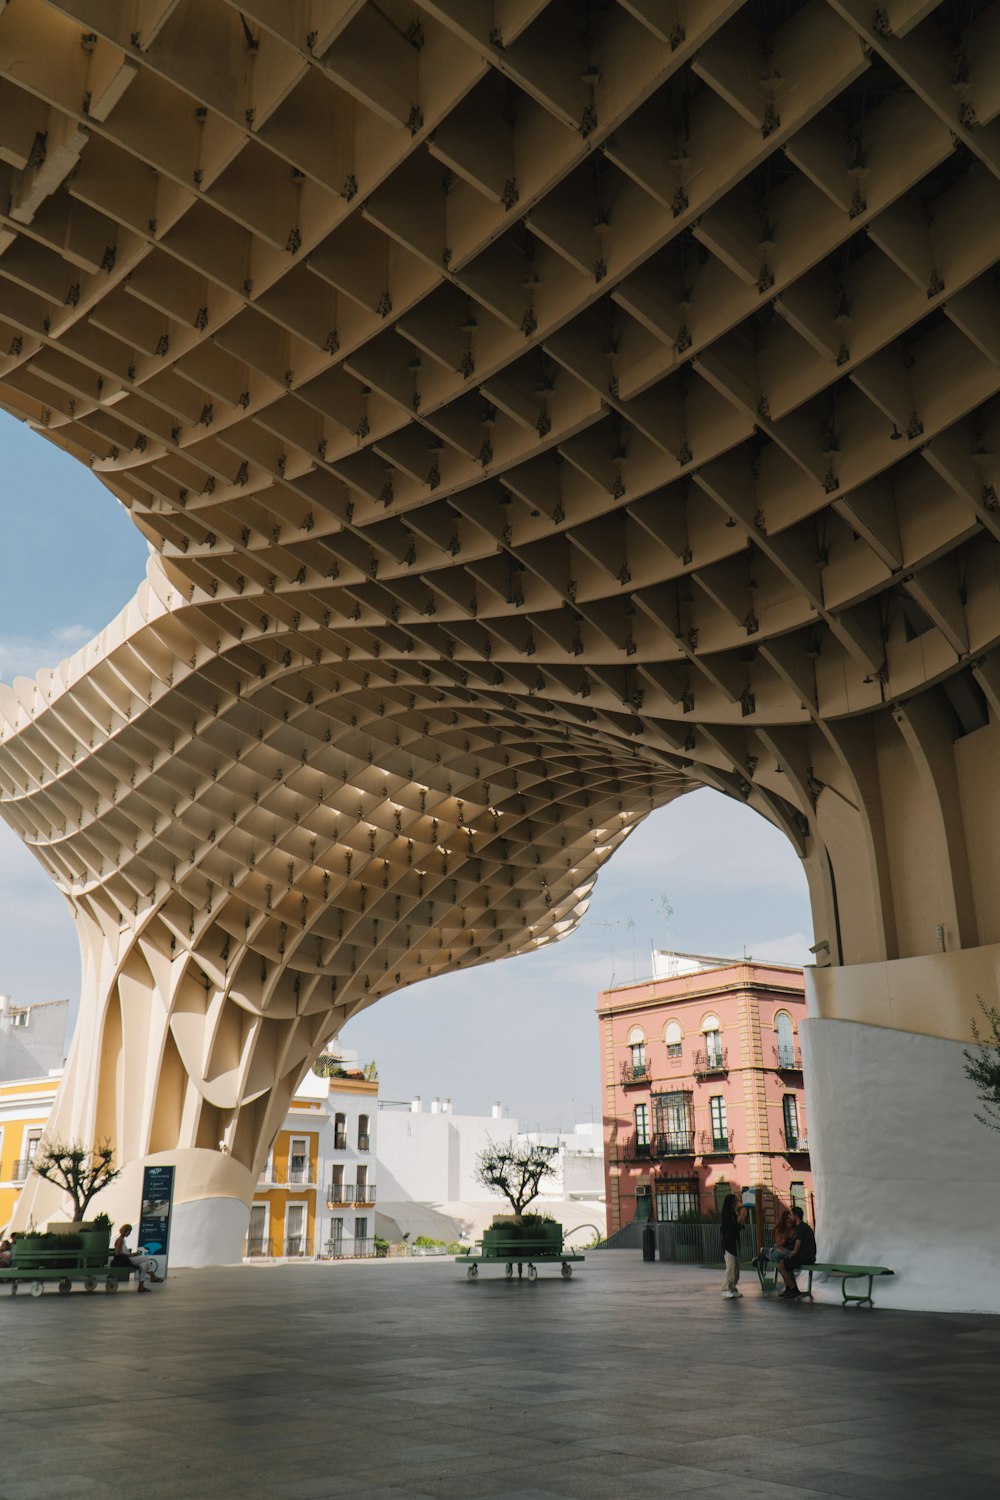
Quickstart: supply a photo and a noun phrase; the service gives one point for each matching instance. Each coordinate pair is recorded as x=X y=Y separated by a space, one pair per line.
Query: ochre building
x=536 y=409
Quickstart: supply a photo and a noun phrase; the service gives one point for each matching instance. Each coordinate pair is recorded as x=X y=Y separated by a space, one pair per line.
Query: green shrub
x=528 y=1221
x=425 y=1242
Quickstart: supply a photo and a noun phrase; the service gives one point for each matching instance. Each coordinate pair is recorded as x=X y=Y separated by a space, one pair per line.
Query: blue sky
x=522 y=1031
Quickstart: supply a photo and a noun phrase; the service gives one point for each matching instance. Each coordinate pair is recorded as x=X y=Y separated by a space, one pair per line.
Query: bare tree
x=515 y=1171
x=81 y=1171
x=983 y=1067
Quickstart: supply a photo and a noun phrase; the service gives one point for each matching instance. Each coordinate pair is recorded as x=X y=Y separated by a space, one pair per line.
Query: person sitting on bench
x=784 y=1239
x=803 y=1253
x=123 y=1257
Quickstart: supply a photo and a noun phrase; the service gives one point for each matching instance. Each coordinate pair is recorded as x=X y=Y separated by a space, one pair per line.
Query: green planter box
x=532 y=1239
x=45 y=1259
x=95 y=1242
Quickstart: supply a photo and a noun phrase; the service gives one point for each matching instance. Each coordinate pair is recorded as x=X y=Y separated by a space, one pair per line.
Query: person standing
x=734 y=1216
x=803 y=1253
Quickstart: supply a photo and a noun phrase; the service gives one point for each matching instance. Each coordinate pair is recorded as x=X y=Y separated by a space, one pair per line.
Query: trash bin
x=649 y=1243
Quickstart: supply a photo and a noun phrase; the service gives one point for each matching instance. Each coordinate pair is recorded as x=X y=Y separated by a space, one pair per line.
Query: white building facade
x=315 y=1197
x=427 y=1170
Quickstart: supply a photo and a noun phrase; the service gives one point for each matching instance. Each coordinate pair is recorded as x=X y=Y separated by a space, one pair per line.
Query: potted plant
x=82 y=1172
x=38 y=1250
x=95 y=1237
x=516 y=1172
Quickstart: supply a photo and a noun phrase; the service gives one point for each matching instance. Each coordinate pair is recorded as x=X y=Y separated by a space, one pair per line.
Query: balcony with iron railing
x=364 y=1142
x=716 y=1143
x=20 y=1169
x=294 y=1176
x=257 y=1245
x=795 y=1142
x=633 y=1073
x=707 y=1063
x=339 y=1193
x=340 y=1140
x=636 y=1150
x=673 y=1143
x=350 y=1248
x=787 y=1059
x=297 y=1247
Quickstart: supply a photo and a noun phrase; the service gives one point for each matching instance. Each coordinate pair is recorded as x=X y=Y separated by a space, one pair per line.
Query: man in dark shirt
x=803 y=1253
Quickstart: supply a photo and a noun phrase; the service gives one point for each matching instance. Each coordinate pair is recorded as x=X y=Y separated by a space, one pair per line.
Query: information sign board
x=154 y=1217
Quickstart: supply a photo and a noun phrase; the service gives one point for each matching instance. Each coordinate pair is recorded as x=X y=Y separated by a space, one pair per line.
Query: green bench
x=33 y=1268
x=768 y=1277
x=517 y=1252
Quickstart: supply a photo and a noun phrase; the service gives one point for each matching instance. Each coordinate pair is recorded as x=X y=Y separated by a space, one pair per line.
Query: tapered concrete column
x=904 y=1174
x=212 y=1195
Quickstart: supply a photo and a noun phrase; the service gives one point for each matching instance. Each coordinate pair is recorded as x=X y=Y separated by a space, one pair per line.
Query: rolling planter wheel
x=90 y=1283
x=65 y=1286
x=473 y=1272
x=37 y=1288
x=567 y=1270
x=111 y=1285
x=508 y=1271
x=532 y=1274
x=13 y=1289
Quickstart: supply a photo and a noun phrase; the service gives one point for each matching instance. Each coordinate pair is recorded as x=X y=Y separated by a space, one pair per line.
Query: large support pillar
x=211 y=1212
x=905 y=1175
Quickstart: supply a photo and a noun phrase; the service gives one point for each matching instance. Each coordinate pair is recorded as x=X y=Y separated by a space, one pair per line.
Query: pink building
x=703 y=1089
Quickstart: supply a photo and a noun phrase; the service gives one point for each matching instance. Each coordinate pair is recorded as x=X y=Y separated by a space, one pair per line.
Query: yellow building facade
x=24 y=1111
x=315 y=1195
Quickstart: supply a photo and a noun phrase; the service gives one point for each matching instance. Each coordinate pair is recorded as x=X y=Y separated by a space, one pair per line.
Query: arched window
x=637 y=1049
x=713 y=1041
x=786 y=1044
x=672 y=1036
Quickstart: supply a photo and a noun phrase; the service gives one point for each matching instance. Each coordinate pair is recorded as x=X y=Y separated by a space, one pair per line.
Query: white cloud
x=24 y=655
x=707 y=842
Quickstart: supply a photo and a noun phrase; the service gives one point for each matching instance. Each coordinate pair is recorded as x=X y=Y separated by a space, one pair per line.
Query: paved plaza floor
x=395 y=1380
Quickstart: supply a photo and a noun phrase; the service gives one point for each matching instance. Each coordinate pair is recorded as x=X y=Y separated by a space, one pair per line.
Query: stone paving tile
x=391 y=1382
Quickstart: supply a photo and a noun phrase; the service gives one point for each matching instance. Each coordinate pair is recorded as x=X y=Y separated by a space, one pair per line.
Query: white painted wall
x=431 y=1158
x=905 y=1176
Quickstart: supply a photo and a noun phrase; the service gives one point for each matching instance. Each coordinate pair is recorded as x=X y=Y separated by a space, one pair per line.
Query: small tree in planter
x=516 y=1172
x=81 y=1171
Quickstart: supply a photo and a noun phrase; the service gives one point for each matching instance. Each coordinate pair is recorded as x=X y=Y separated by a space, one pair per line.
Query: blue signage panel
x=154 y=1216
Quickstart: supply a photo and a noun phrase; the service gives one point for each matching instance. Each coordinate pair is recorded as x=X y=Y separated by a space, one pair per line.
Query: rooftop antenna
x=609 y=928
x=630 y=928
x=666 y=911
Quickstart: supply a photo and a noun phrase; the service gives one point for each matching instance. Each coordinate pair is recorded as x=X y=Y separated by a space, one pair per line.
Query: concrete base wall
x=904 y=1174
x=208 y=1232
x=211 y=1212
